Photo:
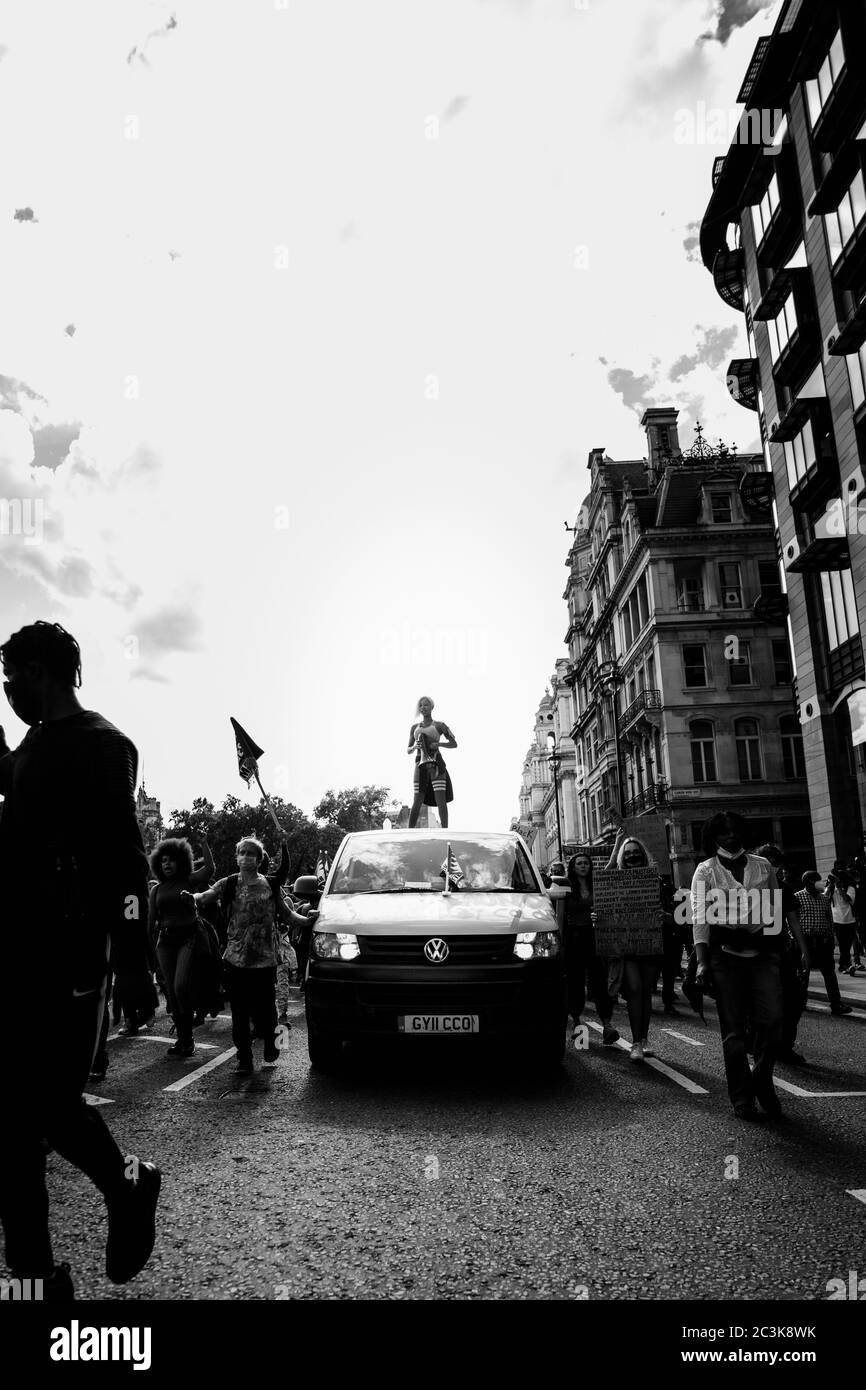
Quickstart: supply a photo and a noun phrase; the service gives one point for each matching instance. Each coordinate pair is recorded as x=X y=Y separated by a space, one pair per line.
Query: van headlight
x=335 y=945
x=536 y=945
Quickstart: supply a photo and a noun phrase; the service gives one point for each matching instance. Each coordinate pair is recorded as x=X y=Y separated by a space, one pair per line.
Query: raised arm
x=281 y=872
x=621 y=836
x=206 y=872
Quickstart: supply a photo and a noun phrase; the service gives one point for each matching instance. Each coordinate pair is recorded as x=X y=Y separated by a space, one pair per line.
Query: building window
x=769 y=579
x=819 y=88
x=690 y=588
x=748 y=741
x=800 y=455
x=741 y=665
x=782 y=328
x=720 y=506
x=842 y=224
x=730 y=585
x=762 y=212
x=840 y=609
x=703 y=748
x=793 y=760
x=856 y=365
x=782 y=673
x=695 y=664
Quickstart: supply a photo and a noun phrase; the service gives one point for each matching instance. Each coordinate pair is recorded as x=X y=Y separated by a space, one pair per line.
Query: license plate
x=435 y=1025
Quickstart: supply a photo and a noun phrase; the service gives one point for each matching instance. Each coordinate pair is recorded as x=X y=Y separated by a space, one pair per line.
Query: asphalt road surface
x=432 y=1170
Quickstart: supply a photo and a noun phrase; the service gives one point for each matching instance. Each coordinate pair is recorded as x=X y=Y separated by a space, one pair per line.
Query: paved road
x=437 y=1172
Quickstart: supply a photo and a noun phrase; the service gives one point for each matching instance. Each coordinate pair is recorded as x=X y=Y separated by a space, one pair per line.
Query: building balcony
x=849 y=267
x=803 y=346
x=728 y=277
x=644 y=700
x=843 y=106
x=804 y=408
x=756 y=493
x=651 y=797
x=852 y=333
x=743 y=380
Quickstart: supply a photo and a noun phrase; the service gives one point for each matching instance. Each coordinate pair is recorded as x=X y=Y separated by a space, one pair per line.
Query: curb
x=820 y=997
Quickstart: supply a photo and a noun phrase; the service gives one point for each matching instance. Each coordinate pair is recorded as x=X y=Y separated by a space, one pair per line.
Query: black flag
x=248 y=752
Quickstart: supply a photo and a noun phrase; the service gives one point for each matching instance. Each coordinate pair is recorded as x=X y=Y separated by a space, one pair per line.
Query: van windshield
x=478 y=865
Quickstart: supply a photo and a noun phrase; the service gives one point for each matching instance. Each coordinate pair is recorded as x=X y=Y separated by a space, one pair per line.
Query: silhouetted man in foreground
x=73 y=882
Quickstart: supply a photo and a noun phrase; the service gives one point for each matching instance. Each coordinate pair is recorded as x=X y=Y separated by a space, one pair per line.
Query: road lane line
x=693 y=1042
x=858 y=1192
x=811 y=1095
x=135 y=1038
x=677 y=1076
x=201 y=1071
x=96 y=1100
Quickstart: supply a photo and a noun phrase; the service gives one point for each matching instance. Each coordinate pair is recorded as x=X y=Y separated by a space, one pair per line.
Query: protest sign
x=626 y=903
x=651 y=830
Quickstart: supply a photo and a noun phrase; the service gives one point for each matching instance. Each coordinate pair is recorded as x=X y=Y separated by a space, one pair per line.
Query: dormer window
x=720 y=507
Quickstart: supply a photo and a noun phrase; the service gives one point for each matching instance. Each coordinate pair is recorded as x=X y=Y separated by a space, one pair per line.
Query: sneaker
x=182 y=1049
x=243 y=1067
x=842 y=1009
x=647 y=1050
x=747 y=1110
x=794 y=1059
x=269 y=1063
x=132 y=1224
x=637 y=1053
x=56 y=1288
x=609 y=1035
x=198 y=1019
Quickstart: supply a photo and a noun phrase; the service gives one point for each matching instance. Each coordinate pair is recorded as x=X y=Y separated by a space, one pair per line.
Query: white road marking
x=139 y=1037
x=682 y=1037
x=96 y=1100
x=201 y=1071
x=858 y=1192
x=677 y=1076
x=811 y=1095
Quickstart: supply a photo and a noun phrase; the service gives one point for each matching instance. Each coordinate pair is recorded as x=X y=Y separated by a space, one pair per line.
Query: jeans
x=845 y=935
x=821 y=952
x=673 y=959
x=794 y=996
x=748 y=991
x=44 y=1104
x=580 y=959
x=252 y=994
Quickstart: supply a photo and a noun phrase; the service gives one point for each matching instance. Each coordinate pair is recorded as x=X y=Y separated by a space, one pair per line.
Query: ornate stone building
x=680 y=668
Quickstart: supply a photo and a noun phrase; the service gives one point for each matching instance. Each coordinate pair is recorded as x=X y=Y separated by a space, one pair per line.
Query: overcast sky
x=311 y=313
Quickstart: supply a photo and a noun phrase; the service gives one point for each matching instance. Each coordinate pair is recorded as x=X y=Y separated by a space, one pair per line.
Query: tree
x=356 y=808
x=235 y=818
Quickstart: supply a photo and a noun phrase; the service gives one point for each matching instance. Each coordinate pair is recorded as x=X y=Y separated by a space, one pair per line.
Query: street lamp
x=555 y=758
x=610 y=679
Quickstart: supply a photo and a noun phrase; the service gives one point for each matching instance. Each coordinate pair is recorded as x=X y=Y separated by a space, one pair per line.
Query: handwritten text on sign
x=626 y=903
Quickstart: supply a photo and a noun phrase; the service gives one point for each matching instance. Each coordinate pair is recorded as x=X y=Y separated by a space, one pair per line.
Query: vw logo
x=436 y=950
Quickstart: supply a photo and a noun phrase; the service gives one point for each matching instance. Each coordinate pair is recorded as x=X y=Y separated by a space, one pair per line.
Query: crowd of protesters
x=106 y=922
x=757 y=971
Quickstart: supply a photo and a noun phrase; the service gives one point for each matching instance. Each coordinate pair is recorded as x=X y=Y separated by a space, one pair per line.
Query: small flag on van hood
x=451 y=870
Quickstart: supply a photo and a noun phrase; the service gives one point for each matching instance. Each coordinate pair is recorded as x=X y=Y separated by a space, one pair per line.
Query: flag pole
x=267 y=801
x=446 y=891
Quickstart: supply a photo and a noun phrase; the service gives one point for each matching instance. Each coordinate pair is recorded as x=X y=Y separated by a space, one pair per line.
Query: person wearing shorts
x=432 y=782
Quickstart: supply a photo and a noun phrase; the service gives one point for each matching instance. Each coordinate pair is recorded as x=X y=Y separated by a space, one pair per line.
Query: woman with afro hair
x=173 y=921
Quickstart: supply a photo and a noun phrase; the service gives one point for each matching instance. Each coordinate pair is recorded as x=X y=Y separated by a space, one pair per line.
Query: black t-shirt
x=72 y=861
